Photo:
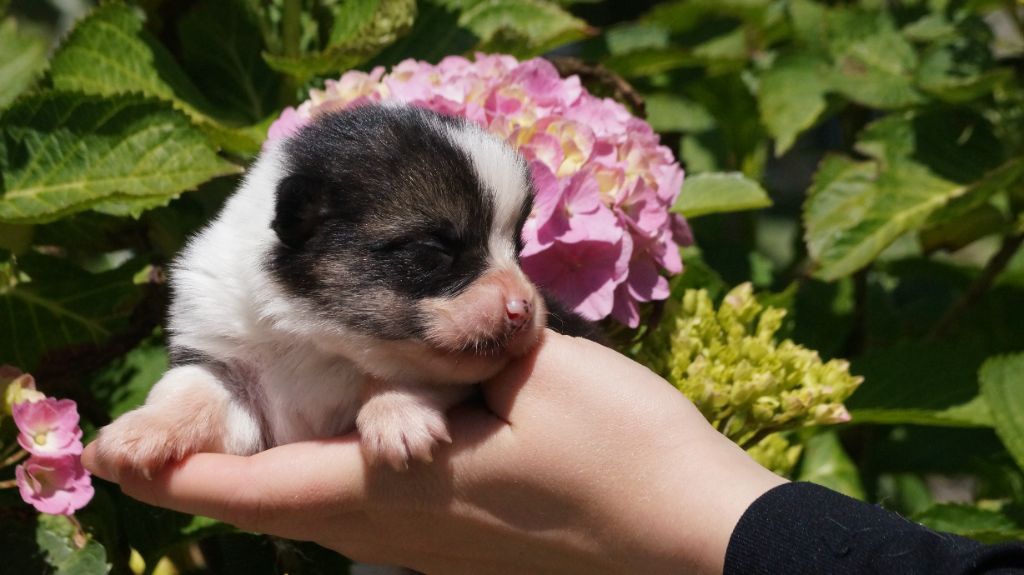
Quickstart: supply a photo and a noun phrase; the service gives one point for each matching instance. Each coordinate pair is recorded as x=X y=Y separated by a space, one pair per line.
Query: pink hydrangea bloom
x=49 y=427
x=600 y=237
x=54 y=485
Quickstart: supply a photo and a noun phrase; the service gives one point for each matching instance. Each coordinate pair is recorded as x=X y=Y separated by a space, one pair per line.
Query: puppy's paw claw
x=142 y=442
x=396 y=430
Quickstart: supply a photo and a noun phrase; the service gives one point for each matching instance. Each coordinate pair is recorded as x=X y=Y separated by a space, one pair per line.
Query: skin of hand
x=577 y=460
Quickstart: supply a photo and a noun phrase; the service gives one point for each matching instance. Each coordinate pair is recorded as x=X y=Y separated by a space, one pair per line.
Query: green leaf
x=124 y=384
x=651 y=61
x=711 y=193
x=903 y=493
x=698 y=152
x=877 y=71
x=110 y=53
x=953 y=143
x=986 y=525
x=856 y=210
x=635 y=36
x=810 y=21
x=350 y=17
x=823 y=316
x=791 y=97
x=53 y=305
x=974 y=413
x=132 y=207
x=221 y=45
x=524 y=28
x=957 y=231
x=24 y=58
x=721 y=51
x=63 y=153
x=685 y=15
x=362 y=28
x=940 y=76
x=921 y=383
x=154 y=531
x=68 y=553
x=1002 y=386
x=826 y=463
x=961 y=67
x=671 y=113
x=905 y=194
x=840 y=196
x=928 y=28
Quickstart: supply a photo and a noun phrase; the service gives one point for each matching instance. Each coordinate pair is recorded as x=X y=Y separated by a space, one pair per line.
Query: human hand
x=583 y=462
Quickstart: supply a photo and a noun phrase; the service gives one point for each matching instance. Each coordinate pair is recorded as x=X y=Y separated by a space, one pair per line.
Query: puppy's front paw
x=396 y=428
x=145 y=440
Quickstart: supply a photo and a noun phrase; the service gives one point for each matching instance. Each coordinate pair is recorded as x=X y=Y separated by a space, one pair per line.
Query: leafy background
x=860 y=162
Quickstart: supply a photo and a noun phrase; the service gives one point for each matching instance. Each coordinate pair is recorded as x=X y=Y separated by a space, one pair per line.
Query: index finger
x=249 y=491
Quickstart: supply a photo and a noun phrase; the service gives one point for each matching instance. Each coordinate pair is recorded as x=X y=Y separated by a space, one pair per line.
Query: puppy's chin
x=414 y=361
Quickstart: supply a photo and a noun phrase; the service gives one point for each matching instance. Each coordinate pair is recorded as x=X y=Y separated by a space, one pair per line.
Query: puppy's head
x=403 y=226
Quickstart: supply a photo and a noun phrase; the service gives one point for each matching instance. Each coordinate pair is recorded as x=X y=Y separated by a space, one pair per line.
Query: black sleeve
x=804 y=528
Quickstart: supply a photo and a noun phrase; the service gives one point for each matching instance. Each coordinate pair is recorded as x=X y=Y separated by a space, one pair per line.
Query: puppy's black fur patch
x=378 y=208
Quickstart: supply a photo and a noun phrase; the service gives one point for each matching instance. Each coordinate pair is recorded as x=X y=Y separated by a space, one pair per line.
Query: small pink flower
x=57 y=486
x=49 y=427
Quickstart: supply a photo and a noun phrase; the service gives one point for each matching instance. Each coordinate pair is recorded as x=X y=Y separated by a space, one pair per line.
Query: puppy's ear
x=300 y=207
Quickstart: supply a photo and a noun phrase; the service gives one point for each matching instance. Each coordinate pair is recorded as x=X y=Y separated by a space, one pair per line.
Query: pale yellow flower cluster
x=748 y=385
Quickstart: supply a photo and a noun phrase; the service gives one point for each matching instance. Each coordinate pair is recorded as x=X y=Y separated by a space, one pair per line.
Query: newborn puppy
x=365 y=274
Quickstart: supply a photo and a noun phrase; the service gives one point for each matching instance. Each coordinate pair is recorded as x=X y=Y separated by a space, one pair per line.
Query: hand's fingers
x=308 y=477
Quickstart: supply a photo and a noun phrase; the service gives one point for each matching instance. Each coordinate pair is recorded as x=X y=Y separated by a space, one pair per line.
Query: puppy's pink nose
x=518 y=312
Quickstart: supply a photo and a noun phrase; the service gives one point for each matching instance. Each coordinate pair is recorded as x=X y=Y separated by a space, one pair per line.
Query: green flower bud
x=393 y=19
x=729 y=363
x=776 y=453
x=764 y=408
x=16 y=388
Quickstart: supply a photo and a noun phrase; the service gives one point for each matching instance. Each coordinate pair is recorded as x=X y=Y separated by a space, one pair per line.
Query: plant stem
x=291 y=27
x=621 y=90
x=18 y=456
x=8 y=484
x=752 y=440
x=993 y=268
x=9 y=450
x=856 y=340
x=291 y=40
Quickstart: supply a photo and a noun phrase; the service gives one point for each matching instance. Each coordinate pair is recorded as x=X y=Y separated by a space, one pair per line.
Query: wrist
x=715 y=483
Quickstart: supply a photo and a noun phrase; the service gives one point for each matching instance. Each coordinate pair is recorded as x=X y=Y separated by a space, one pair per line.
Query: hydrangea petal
x=48 y=427
x=57 y=486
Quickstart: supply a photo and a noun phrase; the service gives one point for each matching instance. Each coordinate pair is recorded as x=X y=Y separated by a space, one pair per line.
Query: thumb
x=550 y=371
